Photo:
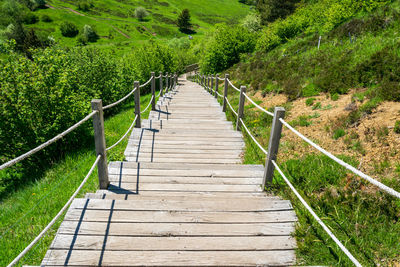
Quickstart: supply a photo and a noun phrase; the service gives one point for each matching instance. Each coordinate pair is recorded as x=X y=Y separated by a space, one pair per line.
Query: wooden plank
x=171 y=204
x=169 y=166
x=172 y=258
x=176 y=154
x=183 y=173
x=175 y=229
x=186 y=180
x=186 y=159
x=140 y=243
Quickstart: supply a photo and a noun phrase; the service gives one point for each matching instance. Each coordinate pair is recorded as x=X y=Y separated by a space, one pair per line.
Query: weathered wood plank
x=186 y=180
x=173 y=258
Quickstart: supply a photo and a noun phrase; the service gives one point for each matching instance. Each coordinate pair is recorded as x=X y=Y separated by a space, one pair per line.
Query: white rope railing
x=344 y=164
x=146 y=83
x=234 y=87
x=341 y=246
x=229 y=104
x=151 y=100
x=159 y=93
x=219 y=94
x=158 y=77
x=22 y=254
x=122 y=138
x=119 y=101
x=252 y=137
x=42 y=146
x=258 y=106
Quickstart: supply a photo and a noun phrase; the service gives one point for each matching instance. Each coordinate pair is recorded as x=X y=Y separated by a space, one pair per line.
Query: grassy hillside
x=119 y=29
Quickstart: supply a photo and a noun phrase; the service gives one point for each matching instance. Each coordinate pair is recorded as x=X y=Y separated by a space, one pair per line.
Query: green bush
x=252 y=22
x=310 y=101
x=46 y=18
x=338 y=133
x=84 y=6
x=30 y=18
x=310 y=90
x=141 y=13
x=224 y=47
x=397 y=127
x=89 y=34
x=68 y=29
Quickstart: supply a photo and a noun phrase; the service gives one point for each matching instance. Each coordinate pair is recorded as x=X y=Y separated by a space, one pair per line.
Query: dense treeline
x=43 y=95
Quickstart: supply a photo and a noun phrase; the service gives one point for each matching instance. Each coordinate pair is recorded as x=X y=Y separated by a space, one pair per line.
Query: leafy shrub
x=272 y=10
x=46 y=18
x=397 y=127
x=40 y=3
x=252 y=22
x=183 y=21
x=338 y=133
x=84 y=6
x=335 y=97
x=317 y=106
x=68 y=29
x=310 y=90
x=89 y=34
x=310 y=101
x=30 y=18
x=224 y=46
x=141 y=13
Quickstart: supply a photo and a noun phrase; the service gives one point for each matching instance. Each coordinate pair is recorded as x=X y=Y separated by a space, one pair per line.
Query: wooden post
x=212 y=84
x=273 y=146
x=208 y=83
x=161 y=84
x=226 y=84
x=153 y=90
x=216 y=86
x=166 y=83
x=137 y=104
x=100 y=143
x=176 y=79
x=241 y=108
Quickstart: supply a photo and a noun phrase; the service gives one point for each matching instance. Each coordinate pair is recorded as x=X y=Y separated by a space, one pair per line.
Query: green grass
x=25 y=213
x=366 y=222
x=110 y=15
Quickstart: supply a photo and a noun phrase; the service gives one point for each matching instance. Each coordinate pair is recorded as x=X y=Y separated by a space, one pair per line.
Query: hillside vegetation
x=117 y=23
x=334 y=66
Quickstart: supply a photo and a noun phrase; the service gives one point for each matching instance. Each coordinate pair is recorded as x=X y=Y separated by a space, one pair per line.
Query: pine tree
x=184 y=20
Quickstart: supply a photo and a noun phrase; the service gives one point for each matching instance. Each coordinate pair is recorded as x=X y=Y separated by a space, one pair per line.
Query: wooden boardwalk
x=182 y=198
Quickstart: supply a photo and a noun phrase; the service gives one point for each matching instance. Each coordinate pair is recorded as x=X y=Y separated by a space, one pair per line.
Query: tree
x=184 y=20
x=89 y=34
x=141 y=13
x=271 y=10
x=69 y=29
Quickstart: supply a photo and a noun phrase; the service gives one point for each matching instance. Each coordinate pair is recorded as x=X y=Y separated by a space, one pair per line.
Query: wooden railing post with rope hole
x=137 y=104
x=241 y=108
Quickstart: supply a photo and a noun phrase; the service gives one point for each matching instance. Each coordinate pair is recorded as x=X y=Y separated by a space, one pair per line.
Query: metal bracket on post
x=153 y=90
x=241 y=108
x=216 y=86
x=225 y=92
x=100 y=143
x=274 y=138
x=137 y=104
x=161 y=84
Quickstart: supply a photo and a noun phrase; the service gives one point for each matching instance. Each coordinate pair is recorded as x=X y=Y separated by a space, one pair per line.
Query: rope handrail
x=49 y=142
x=51 y=223
x=234 y=87
x=159 y=93
x=119 y=101
x=146 y=83
x=252 y=137
x=383 y=187
x=229 y=104
x=219 y=94
x=159 y=76
x=126 y=133
x=341 y=246
x=221 y=79
x=258 y=106
x=151 y=100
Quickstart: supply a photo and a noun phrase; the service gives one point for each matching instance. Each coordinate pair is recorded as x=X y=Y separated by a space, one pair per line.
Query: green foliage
x=89 y=34
x=310 y=90
x=252 y=22
x=338 y=133
x=46 y=18
x=397 y=127
x=30 y=18
x=68 y=29
x=335 y=96
x=141 y=13
x=44 y=96
x=302 y=120
x=310 y=101
x=224 y=47
x=84 y=6
x=183 y=21
x=272 y=10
